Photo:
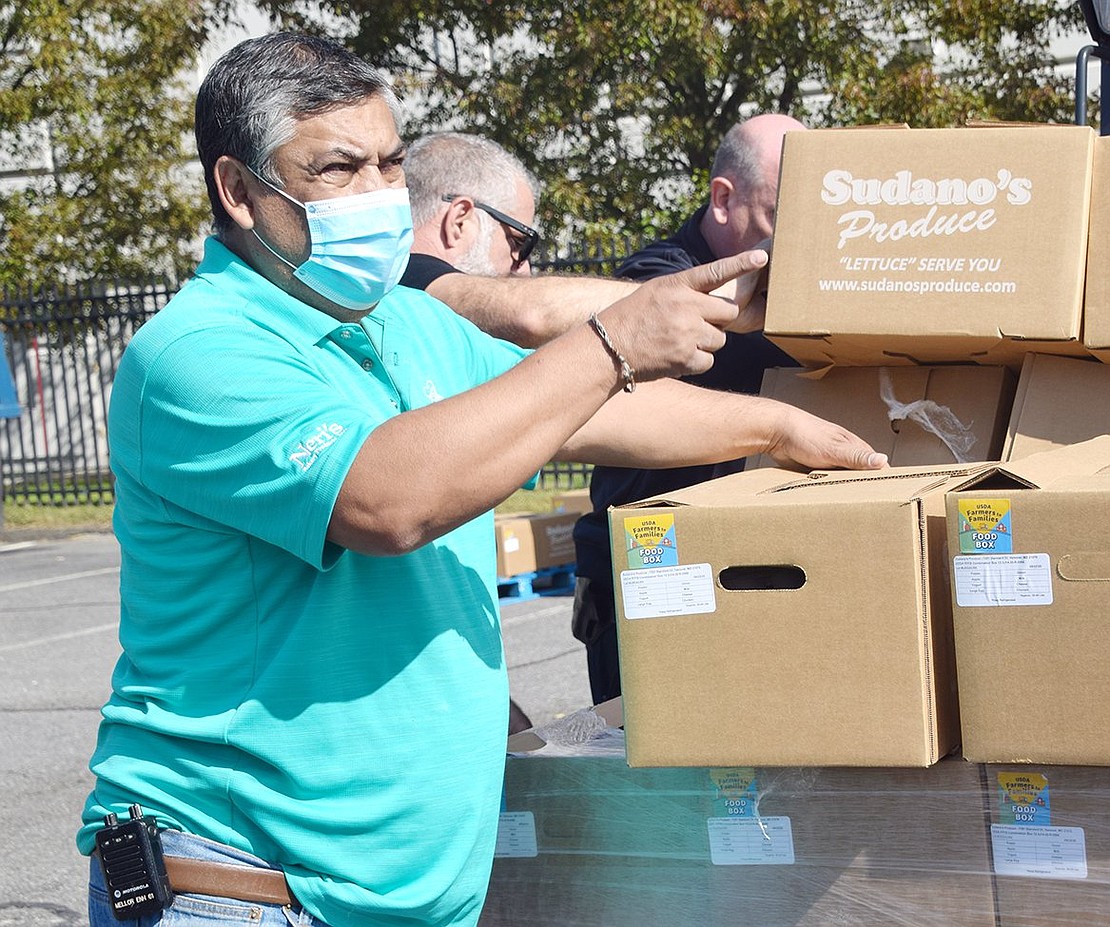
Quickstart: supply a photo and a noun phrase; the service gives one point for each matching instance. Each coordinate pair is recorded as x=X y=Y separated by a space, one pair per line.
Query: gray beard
x=476 y=261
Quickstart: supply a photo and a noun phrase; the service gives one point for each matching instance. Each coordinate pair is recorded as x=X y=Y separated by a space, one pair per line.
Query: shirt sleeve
x=240 y=433
x=423 y=269
x=654 y=261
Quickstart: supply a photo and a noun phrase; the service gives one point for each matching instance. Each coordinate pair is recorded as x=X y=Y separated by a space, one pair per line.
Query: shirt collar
x=690 y=235
x=262 y=300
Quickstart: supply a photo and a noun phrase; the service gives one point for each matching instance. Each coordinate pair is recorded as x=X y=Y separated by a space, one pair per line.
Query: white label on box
x=751 y=841
x=666 y=591
x=516 y=835
x=511 y=544
x=1002 y=579
x=1040 y=852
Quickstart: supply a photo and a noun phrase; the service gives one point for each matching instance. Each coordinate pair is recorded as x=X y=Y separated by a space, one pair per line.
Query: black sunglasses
x=525 y=246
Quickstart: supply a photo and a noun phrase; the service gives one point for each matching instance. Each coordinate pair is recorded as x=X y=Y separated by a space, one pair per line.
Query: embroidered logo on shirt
x=430 y=391
x=308 y=451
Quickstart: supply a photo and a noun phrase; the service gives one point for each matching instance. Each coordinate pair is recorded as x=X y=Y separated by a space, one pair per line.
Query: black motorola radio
x=134 y=869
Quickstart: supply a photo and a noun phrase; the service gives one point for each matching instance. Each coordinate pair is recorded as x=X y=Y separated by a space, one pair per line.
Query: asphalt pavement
x=59 y=605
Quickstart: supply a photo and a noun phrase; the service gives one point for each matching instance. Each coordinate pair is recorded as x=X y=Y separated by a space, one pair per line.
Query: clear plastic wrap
x=588 y=841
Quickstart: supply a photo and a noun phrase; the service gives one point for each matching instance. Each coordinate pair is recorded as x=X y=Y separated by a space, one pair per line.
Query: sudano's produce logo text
x=947 y=200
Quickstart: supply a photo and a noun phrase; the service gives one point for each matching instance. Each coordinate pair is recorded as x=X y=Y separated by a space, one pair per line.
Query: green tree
x=93 y=102
x=618 y=106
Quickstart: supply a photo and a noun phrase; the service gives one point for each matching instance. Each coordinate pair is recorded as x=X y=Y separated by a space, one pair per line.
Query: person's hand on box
x=803 y=441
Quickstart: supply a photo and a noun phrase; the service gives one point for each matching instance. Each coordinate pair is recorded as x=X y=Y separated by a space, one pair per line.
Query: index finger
x=707 y=277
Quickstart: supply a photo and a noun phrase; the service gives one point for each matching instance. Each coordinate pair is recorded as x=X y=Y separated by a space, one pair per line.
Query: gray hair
x=454 y=162
x=738 y=160
x=252 y=98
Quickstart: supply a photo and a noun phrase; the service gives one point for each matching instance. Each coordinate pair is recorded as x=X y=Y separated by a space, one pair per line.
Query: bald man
x=739 y=216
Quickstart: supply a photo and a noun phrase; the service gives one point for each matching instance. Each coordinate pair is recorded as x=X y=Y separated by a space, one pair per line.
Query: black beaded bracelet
x=627 y=373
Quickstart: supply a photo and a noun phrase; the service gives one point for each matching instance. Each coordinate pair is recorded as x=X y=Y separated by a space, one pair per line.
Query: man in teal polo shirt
x=312 y=697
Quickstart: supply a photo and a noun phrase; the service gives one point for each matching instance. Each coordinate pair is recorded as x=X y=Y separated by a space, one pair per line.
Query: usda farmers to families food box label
x=656 y=585
x=987 y=572
x=1024 y=842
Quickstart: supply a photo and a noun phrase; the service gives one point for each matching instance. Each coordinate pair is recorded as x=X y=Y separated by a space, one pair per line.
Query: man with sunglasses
x=473 y=212
x=521 y=239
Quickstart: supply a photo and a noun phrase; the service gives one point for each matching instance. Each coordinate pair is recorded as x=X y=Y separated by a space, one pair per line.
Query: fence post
x=9 y=403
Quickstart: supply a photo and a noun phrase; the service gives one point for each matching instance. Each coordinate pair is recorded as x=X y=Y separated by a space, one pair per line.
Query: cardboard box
x=536 y=541
x=1050 y=836
x=586 y=840
x=1096 y=305
x=572 y=500
x=1030 y=584
x=914 y=415
x=779 y=619
x=1059 y=401
x=921 y=246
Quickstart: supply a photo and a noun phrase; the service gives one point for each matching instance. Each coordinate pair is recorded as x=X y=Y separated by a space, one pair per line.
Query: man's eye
x=338 y=167
x=392 y=166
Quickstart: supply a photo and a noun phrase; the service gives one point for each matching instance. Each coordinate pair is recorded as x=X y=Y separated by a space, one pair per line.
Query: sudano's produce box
x=1096 y=308
x=917 y=246
x=534 y=541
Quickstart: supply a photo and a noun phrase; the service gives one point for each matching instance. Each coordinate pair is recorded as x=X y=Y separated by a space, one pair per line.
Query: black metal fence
x=63 y=346
x=599 y=259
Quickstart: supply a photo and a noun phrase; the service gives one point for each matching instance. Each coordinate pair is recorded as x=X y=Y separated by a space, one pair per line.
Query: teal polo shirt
x=339 y=715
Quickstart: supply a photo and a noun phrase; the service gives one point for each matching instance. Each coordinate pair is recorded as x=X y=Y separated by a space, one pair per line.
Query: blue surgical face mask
x=359 y=245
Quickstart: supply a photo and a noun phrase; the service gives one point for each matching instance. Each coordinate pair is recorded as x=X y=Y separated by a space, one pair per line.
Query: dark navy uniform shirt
x=737 y=367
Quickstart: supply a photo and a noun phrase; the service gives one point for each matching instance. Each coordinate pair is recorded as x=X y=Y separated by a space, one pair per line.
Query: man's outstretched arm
x=528 y=311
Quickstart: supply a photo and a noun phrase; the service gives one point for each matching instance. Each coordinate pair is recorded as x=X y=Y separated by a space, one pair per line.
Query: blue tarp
x=9 y=403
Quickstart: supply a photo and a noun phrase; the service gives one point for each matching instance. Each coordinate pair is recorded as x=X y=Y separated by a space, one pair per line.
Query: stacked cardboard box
x=914 y=415
x=776 y=618
x=1050 y=843
x=1096 y=300
x=865 y=274
x=773 y=618
x=572 y=500
x=1031 y=580
x=919 y=246
x=789 y=656
x=1059 y=401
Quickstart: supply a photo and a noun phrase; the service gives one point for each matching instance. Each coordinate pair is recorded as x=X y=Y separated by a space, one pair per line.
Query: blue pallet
x=552 y=581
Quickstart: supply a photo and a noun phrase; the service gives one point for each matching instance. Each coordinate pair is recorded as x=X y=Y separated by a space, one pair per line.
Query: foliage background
x=96 y=87
x=617 y=106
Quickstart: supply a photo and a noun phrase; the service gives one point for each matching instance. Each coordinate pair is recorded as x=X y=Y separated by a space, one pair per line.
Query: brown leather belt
x=224 y=880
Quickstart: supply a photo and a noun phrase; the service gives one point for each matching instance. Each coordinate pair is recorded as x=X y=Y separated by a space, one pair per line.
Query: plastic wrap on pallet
x=586 y=840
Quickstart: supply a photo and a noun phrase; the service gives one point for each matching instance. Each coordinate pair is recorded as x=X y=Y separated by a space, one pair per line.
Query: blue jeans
x=198 y=910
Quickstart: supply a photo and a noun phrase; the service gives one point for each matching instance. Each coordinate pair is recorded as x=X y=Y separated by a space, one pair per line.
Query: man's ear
x=721 y=191
x=459 y=224
x=230 y=176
